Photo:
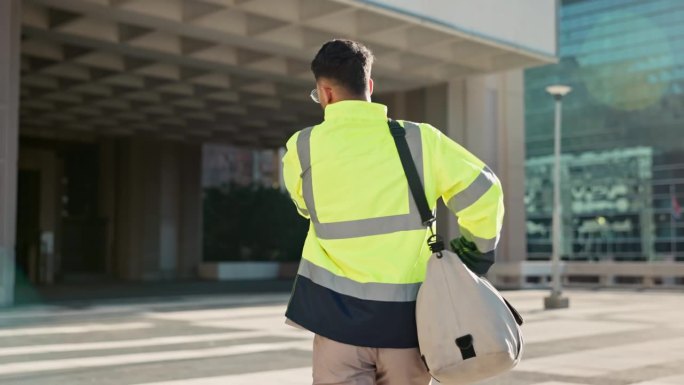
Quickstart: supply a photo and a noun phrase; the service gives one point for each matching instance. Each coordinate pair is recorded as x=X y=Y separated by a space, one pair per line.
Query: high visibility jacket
x=366 y=251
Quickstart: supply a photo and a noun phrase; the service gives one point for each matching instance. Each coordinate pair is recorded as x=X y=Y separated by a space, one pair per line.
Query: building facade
x=623 y=133
x=106 y=106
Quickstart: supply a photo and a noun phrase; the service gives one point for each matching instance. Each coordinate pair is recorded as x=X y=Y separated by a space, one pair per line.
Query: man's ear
x=328 y=94
x=370 y=86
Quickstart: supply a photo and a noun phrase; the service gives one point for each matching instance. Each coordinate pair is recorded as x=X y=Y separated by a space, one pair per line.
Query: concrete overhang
x=220 y=70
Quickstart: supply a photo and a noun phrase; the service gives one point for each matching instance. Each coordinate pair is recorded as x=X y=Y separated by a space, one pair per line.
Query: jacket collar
x=355 y=109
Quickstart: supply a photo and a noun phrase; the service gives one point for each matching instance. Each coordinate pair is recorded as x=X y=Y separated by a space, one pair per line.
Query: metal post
x=673 y=224
x=555 y=300
x=557 y=208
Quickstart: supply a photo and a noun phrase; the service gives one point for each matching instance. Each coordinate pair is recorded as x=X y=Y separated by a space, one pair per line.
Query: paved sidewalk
x=605 y=338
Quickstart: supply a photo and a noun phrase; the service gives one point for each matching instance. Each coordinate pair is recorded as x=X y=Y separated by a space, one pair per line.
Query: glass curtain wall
x=623 y=133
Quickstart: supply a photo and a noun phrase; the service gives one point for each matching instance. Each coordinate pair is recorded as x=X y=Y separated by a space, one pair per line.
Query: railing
x=609 y=274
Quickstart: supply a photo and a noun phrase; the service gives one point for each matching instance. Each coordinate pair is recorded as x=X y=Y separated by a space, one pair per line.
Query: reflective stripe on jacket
x=366 y=251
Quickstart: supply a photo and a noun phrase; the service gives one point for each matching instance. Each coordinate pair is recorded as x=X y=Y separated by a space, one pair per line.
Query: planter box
x=238 y=271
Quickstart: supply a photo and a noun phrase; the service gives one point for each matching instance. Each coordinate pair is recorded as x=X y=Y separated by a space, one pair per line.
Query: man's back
x=359 y=192
x=366 y=251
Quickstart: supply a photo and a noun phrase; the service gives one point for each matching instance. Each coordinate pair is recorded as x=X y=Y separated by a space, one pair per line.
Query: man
x=366 y=251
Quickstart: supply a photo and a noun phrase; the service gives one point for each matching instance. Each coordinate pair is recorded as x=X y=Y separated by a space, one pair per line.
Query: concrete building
x=105 y=106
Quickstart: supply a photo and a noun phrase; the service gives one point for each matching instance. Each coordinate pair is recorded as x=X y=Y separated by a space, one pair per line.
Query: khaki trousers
x=335 y=363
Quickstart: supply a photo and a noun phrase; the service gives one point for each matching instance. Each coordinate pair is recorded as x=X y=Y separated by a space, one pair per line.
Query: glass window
x=623 y=149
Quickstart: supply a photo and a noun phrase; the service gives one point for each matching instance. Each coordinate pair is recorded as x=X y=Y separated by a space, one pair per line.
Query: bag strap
x=415 y=185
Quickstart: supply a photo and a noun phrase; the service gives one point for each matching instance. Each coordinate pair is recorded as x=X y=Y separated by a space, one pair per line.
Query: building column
x=495 y=131
x=180 y=210
x=145 y=209
x=159 y=210
x=455 y=128
x=9 y=142
x=169 y=213
x=511 y=164
x=191 y=209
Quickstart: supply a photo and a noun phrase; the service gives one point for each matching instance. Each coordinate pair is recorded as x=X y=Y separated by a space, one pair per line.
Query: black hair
x=346 y=61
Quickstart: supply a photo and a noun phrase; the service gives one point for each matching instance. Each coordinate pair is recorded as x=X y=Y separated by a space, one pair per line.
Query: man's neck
x=365 y=98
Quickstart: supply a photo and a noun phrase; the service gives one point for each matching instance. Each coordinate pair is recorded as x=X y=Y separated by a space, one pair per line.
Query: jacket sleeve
x=292 y=176
x=473 y=193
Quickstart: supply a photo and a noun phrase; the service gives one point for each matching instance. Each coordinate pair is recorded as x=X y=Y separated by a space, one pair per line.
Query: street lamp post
x=556 y=300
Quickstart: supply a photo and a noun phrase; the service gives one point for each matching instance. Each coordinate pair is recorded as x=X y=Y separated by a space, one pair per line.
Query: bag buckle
x=435 y=242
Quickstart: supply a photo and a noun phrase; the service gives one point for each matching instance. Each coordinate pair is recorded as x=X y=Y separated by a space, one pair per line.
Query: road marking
x=220 y=314
x=74 y=329
x=296 y=376
x=273 y=324
x=558 y=383
x=49 y=311
x=137 y=343
x=545 y=331
x=674 y=380
x=147 y=357
x=650 y=316
x=604 y=361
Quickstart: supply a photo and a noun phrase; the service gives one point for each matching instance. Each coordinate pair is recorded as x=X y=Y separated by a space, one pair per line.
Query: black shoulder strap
x=416 y=186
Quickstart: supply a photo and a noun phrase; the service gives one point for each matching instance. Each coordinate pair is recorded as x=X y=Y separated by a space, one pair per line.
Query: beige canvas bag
x=466 y=330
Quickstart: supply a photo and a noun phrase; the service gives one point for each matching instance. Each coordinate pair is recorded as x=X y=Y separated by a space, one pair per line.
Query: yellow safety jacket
x=366 y=251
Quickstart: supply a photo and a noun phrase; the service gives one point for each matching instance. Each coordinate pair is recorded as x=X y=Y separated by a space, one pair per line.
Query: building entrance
x=60 y=232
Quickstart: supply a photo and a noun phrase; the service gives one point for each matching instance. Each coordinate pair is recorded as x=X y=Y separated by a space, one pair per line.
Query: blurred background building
x=623 y=133
x=134 y=131
x=140 y=140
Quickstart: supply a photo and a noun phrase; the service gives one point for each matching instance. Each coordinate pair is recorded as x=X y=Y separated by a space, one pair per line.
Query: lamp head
x=558 y=90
